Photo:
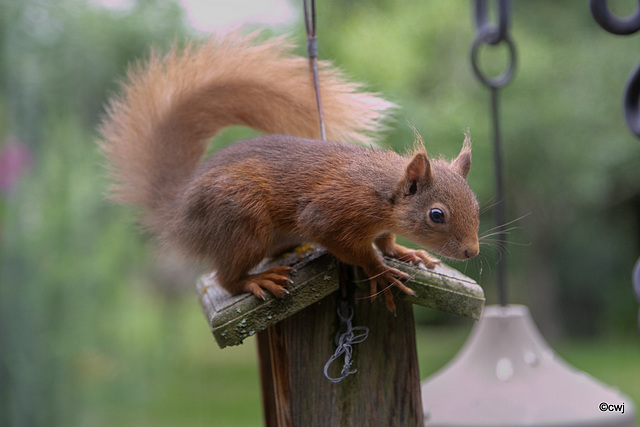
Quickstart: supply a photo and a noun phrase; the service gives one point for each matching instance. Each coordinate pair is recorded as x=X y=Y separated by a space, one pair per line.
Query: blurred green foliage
x=94 y=330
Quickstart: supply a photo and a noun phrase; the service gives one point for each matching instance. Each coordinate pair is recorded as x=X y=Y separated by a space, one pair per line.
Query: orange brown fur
x=258 y=196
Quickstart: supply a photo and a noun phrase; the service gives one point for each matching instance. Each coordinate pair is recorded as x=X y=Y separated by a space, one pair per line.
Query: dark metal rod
x=500 y=207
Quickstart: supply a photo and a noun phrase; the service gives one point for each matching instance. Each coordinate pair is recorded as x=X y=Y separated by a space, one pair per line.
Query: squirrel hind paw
x=274 y=280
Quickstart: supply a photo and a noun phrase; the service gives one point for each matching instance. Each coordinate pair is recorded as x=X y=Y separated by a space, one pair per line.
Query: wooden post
x=384 y=392
x=296 y=338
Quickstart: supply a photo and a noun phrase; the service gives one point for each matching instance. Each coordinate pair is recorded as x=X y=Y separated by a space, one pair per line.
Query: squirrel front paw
x=273 y=280
x=386 y=278
x=417 y=257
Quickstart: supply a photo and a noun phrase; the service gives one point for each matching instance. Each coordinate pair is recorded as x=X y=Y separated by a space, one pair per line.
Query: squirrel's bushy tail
x=156 y=132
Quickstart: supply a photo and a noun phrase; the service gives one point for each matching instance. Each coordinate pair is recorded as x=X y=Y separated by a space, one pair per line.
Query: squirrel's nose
x=470 y=253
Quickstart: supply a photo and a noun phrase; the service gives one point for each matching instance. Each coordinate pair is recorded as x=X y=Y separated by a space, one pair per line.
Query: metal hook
x=342 y=308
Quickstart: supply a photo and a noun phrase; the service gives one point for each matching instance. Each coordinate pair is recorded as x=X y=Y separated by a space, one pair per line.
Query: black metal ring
x=482 y=36
x=632 y=102
x=612 y=23
x=499 y=32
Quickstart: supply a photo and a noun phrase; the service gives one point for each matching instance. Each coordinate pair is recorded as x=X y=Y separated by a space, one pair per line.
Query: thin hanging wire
x=312 y=53
x=347 y=334
x=490 y=34
x=344 y=342
x=350 y=335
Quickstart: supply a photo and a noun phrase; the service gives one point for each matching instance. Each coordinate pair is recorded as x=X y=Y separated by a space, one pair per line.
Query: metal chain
x=623 y=26
x=494 y=35
x=631 y=101
x=612 y=23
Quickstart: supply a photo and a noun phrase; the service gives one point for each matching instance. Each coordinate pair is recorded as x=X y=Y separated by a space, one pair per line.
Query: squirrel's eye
x=436 y=215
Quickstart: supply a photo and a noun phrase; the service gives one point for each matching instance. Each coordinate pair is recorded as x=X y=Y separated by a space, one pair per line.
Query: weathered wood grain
x=385 y=391
x=234 y=318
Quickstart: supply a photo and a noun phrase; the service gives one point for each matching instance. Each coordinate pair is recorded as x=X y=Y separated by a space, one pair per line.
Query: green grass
x=437 y=345
x=181 y=377
x=614 y=361
x=177 y=377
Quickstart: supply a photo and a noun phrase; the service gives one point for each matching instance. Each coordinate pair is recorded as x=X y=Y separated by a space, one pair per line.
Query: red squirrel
x=257 y=197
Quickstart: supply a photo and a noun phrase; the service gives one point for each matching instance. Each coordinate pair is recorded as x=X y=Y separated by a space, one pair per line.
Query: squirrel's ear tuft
x=419 y=169
x=418 y=142
x=462 y=163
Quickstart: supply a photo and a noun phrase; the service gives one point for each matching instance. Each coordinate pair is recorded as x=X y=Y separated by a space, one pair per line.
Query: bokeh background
x=97 y=330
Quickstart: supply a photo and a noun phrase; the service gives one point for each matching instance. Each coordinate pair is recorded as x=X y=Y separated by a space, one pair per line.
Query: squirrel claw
x=385 y=281
x=418 y=257
x=273 y=280
x=388 y=300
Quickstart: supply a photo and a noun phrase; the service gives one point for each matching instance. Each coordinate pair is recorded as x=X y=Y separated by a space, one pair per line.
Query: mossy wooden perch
x=296 y=338
x=234 y=318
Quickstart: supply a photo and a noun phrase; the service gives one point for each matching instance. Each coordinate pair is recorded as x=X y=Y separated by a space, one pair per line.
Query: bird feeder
x=507 y=375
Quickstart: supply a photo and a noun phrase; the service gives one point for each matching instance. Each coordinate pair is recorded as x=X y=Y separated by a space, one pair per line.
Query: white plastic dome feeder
x=507 y=375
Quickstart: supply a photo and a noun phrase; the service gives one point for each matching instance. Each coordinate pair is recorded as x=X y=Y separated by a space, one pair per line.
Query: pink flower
x=15 y=158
